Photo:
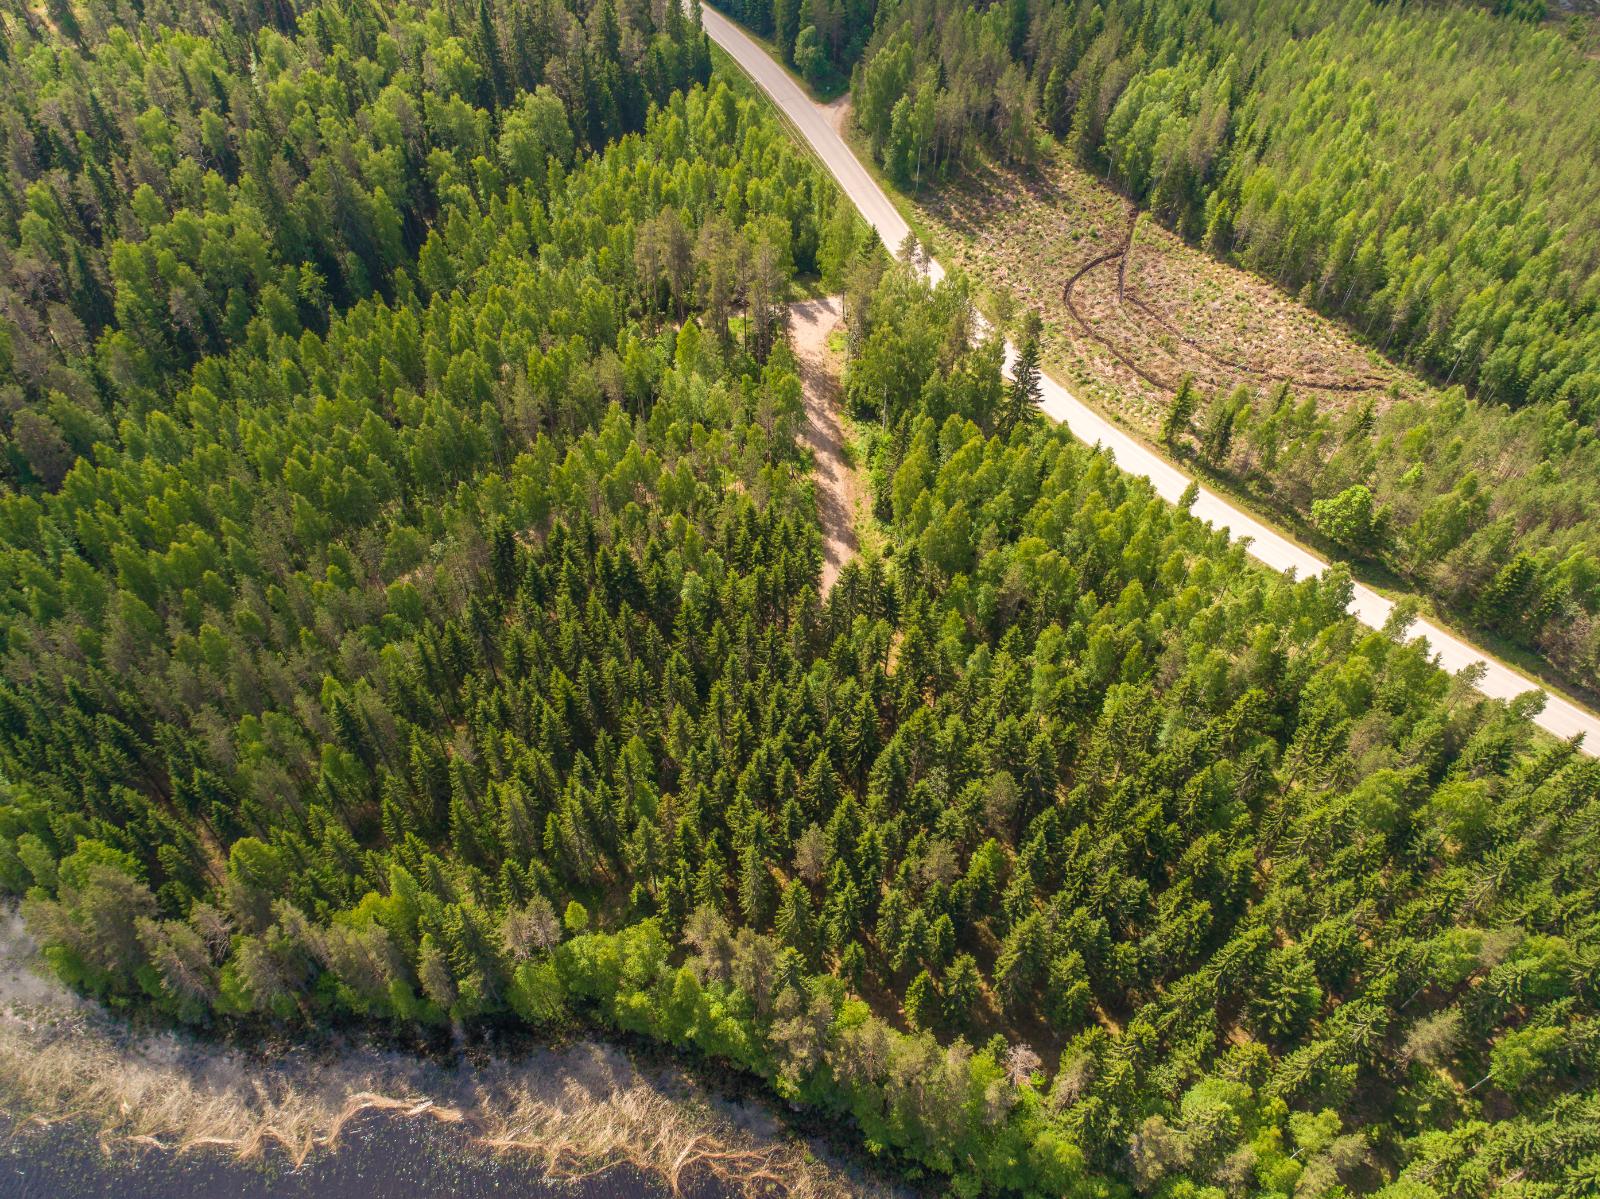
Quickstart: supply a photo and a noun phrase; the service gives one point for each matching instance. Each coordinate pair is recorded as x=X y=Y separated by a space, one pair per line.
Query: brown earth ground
x=840 y=490
x=839 y=113
x=1129 y=308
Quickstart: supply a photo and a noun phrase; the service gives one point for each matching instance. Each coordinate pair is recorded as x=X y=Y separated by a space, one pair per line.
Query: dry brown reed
x=577 y=1110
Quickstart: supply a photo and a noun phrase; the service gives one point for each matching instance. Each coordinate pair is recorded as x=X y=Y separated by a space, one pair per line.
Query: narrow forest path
x=839 y=487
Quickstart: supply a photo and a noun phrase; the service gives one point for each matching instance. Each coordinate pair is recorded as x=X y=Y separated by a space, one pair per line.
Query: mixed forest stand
x=1420 y=175
x=456 y=652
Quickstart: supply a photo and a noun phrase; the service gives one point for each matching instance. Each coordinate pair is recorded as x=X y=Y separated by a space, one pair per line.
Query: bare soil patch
x=837 y=113
x=839 y=488
x=1130 y=308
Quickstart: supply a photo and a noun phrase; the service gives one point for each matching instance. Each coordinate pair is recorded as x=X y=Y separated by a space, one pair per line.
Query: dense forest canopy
x=1423 y=172
x=1426 y=172
x=460 y=658
x=179 y=178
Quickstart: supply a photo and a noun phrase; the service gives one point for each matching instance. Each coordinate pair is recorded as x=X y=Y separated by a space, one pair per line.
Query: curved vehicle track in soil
x=1267 y=545
x=1120 y=254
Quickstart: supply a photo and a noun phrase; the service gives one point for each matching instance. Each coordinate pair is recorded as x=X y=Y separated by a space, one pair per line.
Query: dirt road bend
x=816 y=123
x=839 y=489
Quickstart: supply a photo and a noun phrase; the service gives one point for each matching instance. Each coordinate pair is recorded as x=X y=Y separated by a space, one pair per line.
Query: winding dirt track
x=1495 y=679
x=1120 y=255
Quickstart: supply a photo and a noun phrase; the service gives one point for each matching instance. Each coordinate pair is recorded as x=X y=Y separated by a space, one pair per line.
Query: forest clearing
x=1420 y=177
x=839 y=487
x=1286 y=405
x=1129 y=308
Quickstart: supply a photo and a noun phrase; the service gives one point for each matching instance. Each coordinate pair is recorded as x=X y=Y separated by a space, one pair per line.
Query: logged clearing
x=839 y=489
x=1130 y=308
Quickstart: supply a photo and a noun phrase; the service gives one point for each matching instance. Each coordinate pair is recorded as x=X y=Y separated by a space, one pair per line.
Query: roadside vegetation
x=1465 y=502
x=819 y=39
x=1414 y=173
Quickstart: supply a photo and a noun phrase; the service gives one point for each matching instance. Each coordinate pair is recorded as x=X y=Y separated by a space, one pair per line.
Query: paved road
x=1266 y=544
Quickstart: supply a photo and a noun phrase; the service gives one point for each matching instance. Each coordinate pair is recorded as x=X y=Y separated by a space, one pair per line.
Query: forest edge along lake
x=93 y=1106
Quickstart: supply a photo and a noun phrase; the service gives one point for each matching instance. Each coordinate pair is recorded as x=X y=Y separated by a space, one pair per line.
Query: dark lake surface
x=381 y=1158
x=580 y=1097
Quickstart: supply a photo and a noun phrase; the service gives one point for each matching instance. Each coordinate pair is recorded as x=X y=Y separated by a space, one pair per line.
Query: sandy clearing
x=837 y=113
x=839 y=488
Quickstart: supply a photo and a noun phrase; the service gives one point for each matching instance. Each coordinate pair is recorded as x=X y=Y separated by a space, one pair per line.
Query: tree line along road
x=1497 y=680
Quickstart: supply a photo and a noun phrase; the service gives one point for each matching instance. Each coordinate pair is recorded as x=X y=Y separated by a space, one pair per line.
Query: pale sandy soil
x=837 y=113
x=839 y=488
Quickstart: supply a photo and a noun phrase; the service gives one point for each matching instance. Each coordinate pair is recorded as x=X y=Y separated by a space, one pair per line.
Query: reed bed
x=574 y=1111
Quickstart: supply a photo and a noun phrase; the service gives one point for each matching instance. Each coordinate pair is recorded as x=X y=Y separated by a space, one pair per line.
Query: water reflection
x=383 y=1158
x=185 y=1118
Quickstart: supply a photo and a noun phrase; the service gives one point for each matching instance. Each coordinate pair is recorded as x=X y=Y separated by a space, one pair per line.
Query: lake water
x=558 y=1109
x=383 y=1158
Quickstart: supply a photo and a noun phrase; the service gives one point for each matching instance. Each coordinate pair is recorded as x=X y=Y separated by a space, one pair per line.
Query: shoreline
x=570 y=1113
